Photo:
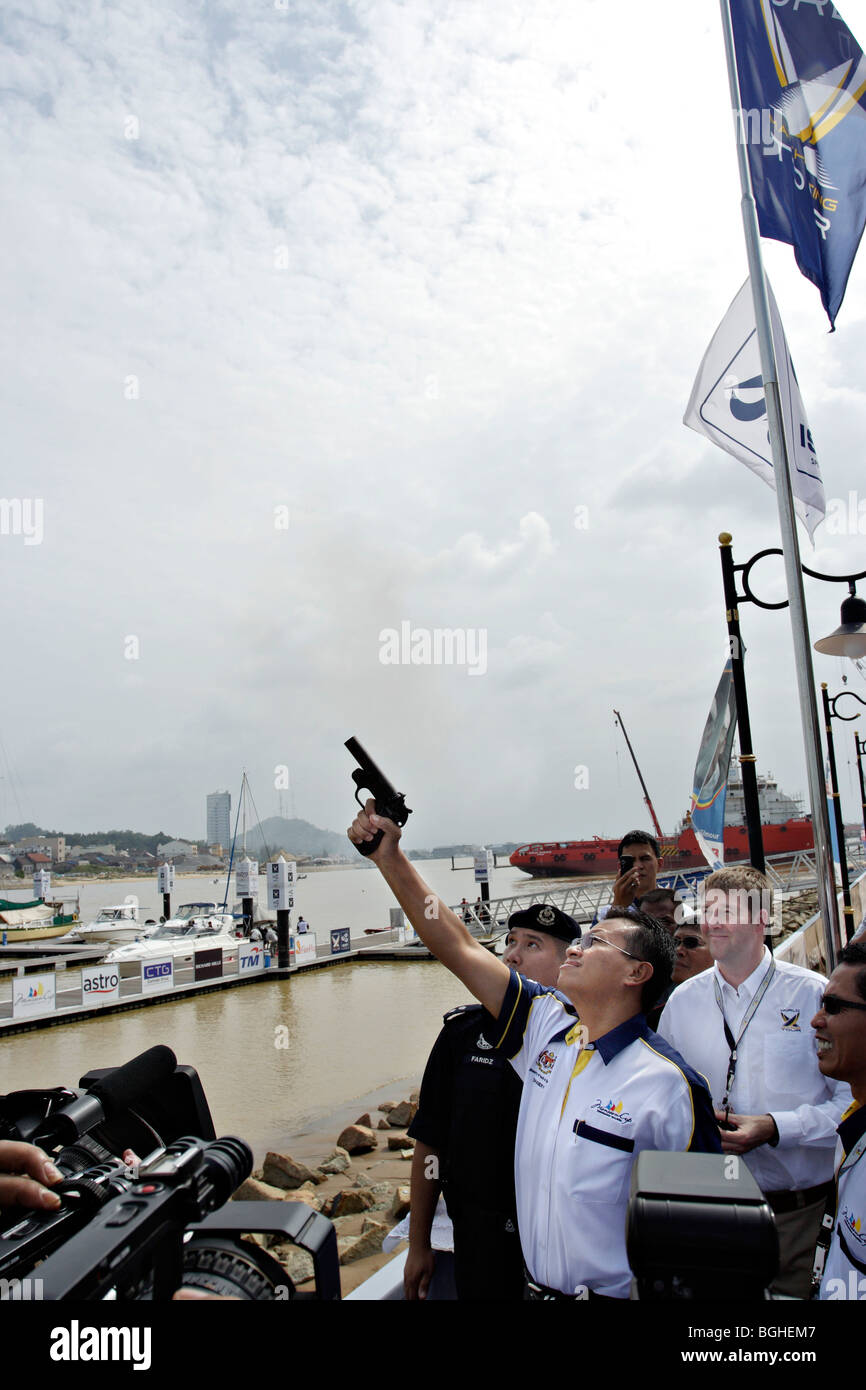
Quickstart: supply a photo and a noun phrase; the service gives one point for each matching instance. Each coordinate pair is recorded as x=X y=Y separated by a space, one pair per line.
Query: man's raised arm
x=438 y=927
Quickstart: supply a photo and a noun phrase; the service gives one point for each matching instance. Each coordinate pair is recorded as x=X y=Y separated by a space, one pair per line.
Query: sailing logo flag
x=710 y=786
x=728 y=405
x=803 y=116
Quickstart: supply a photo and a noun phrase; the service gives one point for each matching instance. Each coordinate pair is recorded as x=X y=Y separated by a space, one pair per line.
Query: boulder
x=368 y=1243
x=400 y=1141
x=365 y=1120
x=337 y=1161
x=402 y=1114
x=363 y=1180
x=401 y=1203
x=358 y=1139
x=255 y=1191
x=383 y=1124
x=415 y=1098
x=350 y=1201
x=386 y=1106
x=281 y=1170
x=296 y=1262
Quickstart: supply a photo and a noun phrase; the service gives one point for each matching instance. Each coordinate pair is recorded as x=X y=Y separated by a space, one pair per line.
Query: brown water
x=351 y=1029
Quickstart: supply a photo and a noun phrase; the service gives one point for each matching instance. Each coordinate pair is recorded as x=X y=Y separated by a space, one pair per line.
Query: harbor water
x=274 y=1057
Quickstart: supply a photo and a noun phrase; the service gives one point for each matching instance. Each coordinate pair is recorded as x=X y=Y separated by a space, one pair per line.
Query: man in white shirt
x=840 y=1036
x=744 y=1025
x=596 y=1092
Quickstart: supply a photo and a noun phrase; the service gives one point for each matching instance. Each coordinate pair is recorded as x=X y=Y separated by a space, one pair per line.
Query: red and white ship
x=784 y=827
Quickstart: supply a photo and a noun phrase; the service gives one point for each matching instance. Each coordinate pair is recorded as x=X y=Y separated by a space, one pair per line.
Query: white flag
x=728 y=405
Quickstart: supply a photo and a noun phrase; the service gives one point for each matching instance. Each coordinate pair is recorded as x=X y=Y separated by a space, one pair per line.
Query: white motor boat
x=180 y=937
x=120 y=922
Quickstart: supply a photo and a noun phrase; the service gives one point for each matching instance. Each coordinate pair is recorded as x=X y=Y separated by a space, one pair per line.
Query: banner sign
x=250 y=958
x=281 y=881
x=728 y=405
x=802 y=79
x=483 y=865
x=33 y=995
x=340 y=941
x=710 y=785
x=156 y=975
x=304 y=947
x=100 y=983
x=208 y=964
x=247 y=879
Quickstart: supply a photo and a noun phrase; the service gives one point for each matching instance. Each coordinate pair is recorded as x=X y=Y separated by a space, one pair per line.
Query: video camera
x=138 y=1233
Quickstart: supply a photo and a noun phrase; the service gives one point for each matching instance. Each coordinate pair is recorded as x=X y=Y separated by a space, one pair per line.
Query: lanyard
x=828 y=1220
x=733 y=1044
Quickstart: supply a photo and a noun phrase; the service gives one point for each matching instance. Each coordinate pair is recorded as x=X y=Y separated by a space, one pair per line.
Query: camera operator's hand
x=364 y=827
x=746 y=1132
x=30 y=1170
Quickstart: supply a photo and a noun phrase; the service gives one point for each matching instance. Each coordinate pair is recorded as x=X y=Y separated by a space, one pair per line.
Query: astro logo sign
x=101 y=982
x=612 y=1111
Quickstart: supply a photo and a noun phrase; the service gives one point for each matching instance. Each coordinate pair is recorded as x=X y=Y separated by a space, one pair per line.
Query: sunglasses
x=832 y=1005
x=691 y=943
x=588 y=940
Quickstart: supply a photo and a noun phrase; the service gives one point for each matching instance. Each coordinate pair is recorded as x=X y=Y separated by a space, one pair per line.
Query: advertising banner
x=208 y=964
x=250 y=958
x=33 y=995
x=304 y=947
x=100 y=983
x=340 y=941
x=156 y=975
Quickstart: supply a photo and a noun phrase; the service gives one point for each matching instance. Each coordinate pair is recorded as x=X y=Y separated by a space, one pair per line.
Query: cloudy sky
x=324 y=318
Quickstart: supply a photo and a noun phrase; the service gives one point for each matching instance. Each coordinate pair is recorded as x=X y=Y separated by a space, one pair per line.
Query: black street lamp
x=848 y=640
x=831 y=713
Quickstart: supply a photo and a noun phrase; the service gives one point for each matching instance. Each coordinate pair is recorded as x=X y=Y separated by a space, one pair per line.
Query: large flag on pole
x=802 y=79
x=710 y=783
x=728 y=405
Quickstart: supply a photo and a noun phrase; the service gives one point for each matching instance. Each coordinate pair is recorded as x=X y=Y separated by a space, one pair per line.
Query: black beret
x=544 y=917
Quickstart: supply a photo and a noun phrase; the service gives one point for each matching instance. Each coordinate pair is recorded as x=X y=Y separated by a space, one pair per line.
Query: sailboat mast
x=646 y=795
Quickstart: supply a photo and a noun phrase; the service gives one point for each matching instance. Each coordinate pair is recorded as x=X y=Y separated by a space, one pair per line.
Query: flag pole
x=827 y=899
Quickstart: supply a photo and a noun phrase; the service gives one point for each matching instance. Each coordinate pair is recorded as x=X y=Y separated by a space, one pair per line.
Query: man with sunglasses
x=744 y=1025
x=840 y=1039
x=465 y=1128
x=595 y=1092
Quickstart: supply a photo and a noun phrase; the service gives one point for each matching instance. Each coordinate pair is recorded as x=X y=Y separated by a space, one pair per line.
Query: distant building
x=52 y=845
x=176 y=849
x=219 y=818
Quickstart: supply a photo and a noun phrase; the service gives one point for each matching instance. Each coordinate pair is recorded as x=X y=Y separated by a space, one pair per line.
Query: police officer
x=465 y=1127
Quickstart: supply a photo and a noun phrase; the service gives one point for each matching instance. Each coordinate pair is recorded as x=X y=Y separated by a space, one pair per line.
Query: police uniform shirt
x=467 y=1112
x=585 y=1113
x=777 y=1066
x=845 y=1270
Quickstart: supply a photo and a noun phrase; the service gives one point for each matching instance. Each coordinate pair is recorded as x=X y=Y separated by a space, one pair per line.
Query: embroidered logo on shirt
x=545 y=1061
x=853 y=1226
x=612 y=1110
x=790 y=1020
x=483 y=1043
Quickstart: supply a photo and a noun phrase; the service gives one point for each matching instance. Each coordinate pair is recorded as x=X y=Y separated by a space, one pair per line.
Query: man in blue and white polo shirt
x=596 y=1092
